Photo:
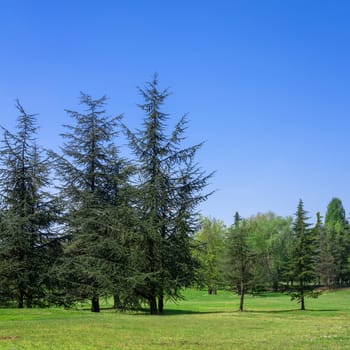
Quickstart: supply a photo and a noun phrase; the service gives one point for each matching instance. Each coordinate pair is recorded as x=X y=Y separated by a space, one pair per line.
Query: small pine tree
x=302 y=266
x=240 y=259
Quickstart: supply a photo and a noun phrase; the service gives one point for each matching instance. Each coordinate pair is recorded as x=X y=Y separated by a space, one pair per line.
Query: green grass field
x=200 y=322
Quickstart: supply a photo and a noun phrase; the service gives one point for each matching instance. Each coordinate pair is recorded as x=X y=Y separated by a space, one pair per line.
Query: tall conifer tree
x=27 y=240
x=303 y=259
x=90 y=171
x=170 y=187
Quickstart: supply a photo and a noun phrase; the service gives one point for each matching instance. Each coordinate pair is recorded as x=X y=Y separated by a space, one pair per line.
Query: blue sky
x=266 y=85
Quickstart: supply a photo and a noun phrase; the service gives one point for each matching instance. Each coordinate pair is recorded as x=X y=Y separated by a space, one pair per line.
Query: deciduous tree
x=209 y=249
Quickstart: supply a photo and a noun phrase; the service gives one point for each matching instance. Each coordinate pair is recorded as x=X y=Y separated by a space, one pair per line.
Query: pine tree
x=27 y=239
x=240 y=261
x=169 y=190
x=91 y=175
x=303 y=260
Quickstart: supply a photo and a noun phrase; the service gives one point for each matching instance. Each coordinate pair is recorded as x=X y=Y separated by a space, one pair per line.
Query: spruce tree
x=302 y=266
x=27 y=239
x=170 y=186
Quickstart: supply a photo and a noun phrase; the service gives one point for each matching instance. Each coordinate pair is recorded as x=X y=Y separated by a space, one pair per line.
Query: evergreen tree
x=92 y=180
x=325 y=262
x=303 y=259
x=169 y=190
x=28 y=243
x=240 y=262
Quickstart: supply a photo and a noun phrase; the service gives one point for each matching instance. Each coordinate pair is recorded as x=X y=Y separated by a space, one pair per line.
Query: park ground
x=201 y=321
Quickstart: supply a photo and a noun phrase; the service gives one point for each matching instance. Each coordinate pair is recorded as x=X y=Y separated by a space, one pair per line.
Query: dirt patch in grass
x=8 y=337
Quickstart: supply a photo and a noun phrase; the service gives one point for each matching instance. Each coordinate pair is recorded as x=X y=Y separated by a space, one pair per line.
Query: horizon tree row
x=86 y=222
x=276 y=253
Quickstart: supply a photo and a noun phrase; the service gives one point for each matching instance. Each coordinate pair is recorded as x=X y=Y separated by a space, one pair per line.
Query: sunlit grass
x=200 y=322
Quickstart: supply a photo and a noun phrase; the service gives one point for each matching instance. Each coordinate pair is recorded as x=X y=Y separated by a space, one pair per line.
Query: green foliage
x=209 y=250
x=335 y=216
x=95 y=192
x=170 y=185
x=28 y=243
x=271 y=239
x=325 y=266
x=302 y=264
x=338 y=242
x=240 y=258
x=131 y=230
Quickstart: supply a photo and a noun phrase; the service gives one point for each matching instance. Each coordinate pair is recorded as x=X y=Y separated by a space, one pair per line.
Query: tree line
x=269 y=252
x=86 y=222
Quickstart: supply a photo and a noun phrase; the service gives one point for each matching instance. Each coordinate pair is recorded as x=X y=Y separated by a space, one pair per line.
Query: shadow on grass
x=289 y=311
x=179 y=312
x=233 y=312
x=167 y=312
x=172 y=312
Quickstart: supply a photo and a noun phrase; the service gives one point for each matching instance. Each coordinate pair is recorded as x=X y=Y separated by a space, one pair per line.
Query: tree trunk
x=275 y=285
x=160 y=304
x=95 y=304
x=241 y=298
x=29 y=302
x=153 y=305
x=116 y=301
x=210 y=291
x=302 y=301
x=20 y=301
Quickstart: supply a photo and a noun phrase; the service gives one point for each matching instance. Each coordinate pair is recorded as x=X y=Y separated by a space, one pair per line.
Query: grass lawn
x=200 y=322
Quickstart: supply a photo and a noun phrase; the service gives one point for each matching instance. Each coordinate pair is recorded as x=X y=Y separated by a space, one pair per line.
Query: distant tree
x=335 y=216
x=240 y=258
x=302 y=264
x=170 y=187
x=325 y=263
x=92 y=181
x=337 y=228
x=28 y=243
x=209 y=246
x=271 y=239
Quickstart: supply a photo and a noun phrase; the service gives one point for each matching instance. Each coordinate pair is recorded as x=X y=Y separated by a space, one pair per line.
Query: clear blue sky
x=266 y=84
